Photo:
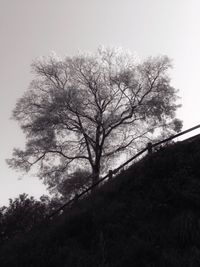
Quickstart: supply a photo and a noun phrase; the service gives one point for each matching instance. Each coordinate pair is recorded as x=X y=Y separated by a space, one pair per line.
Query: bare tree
x=84 y=109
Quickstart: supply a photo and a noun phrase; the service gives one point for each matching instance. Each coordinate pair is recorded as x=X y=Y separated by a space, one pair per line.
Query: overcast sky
x=33 y=28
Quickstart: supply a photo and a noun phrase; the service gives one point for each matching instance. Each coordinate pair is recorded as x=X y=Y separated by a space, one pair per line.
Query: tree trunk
x=95 y=178
x=95 y=173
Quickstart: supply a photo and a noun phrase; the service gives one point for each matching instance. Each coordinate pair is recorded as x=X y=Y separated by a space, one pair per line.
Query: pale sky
x=33 y=28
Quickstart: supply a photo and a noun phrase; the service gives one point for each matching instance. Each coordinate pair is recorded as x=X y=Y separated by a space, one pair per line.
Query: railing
x=110 y=174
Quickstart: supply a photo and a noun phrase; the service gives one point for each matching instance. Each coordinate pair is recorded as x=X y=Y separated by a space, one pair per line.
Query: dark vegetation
x=149 y=215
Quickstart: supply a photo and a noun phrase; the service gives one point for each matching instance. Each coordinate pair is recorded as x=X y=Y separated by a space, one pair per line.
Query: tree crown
x=82 y=110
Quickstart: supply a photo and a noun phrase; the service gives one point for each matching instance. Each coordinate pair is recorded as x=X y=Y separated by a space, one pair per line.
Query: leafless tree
x=84 y=109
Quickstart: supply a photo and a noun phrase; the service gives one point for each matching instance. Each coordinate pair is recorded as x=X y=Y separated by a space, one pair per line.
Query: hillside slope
x=147 y=216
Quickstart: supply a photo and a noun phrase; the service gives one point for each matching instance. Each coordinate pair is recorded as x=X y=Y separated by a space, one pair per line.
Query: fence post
x=149 y=148
x=110 y=174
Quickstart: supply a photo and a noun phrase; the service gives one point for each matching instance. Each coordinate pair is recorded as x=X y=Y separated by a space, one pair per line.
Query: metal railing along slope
x=148 y=149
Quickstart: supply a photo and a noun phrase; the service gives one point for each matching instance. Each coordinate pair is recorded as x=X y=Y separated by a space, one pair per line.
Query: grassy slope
x=148 y=216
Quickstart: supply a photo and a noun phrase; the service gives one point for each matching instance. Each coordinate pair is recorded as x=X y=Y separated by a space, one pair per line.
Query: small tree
x=84 y=109
x=22 y=214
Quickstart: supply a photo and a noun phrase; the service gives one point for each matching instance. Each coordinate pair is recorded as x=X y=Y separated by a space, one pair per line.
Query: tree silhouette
x=22 y=214
x=83 y=110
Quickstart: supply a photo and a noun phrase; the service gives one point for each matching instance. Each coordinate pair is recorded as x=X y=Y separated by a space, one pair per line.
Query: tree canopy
x=81 y=111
